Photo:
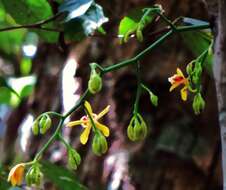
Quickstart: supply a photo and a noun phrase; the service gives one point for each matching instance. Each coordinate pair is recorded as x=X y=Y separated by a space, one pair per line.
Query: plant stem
x=37 y=25
x=152 y=46
x=78 y=104
x=91 y=119
x=104 y=71
x=136 y=104
x=64 y=142
x=51 y=139
x=139 y=56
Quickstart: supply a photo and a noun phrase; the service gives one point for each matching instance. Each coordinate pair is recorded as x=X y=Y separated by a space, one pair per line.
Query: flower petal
x=85 y=135
x=179 y=72
x=74 y=123
x=184 y=93
x=104 y=129
x=174 y=86
x=88 y=107
x=16 y=174
x=102 y=113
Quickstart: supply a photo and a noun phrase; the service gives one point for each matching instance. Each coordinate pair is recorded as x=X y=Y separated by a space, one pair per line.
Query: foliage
x=63 y=178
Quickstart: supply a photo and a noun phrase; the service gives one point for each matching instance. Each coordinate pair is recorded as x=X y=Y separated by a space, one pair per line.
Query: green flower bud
x=130 y=132
x=35 y=127
x=196 y=77
x=198 y=103
x=99 y=144
x=45 y=123
x=189 y=68
x=137 y=129
x=34 y=175
x=74 y=159
x=154 y=99
x=95 y=82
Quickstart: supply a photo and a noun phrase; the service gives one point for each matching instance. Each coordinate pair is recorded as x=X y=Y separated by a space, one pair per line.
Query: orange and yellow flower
x=16 y=174
x=87 y=124
x=177 y=80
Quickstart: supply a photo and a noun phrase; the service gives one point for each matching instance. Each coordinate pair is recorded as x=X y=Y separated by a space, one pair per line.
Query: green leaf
x=23 y=85
x=85 y=25
x=198 y=42
x=75 y=8
x=29 y=12
x=5 y=95
x=136 y=21
x=61 y=177
x=10 y=41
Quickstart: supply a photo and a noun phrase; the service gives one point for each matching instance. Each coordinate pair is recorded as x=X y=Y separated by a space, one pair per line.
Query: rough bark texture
x=220 y=78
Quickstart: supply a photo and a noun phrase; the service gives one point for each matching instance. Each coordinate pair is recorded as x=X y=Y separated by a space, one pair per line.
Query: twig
x=37 y=25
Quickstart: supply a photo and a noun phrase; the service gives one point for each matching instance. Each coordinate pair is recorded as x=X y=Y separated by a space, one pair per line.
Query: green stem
x=91 y=119
x=106 y=70
x=78 y=104
x=53 y=113
x=136 y=104
x=173 y=27
x=146 y=88
x=64 y=142
x=51 y=139
x=152 y=46
x=139 y=56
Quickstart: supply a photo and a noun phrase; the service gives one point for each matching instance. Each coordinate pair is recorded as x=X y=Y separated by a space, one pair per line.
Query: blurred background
x=182 y=150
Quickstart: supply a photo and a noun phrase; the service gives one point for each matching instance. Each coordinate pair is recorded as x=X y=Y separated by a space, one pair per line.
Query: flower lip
x=177 y=80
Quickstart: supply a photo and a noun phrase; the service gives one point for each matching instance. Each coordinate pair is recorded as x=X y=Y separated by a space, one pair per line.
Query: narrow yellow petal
x=85 y=135
x=104 y=129
x=174 y=86
x=179 y=72
x=88 y=107
x=74 y=123
x=102 y=113
x=184 y=93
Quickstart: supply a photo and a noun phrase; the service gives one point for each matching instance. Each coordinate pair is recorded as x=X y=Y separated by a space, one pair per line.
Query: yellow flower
x=16 y=174
x=177 y=80
x=86 y=123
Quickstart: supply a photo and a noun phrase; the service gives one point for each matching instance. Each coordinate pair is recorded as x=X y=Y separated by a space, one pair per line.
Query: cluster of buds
x=42 y=124
x=99 y=143
x=198 y=103
x=34 y=175
x=137 y=129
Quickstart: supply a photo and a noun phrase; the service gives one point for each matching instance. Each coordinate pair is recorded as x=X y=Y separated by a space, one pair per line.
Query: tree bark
x=219 y=70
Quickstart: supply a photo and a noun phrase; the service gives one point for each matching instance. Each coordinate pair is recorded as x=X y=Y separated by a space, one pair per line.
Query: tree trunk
x=220 y=78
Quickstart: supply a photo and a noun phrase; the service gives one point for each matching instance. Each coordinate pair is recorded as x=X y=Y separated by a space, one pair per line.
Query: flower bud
x=130 y=132
x=99 y=144
x=35 y=127
x=189 y=68
x=154 y=99
x=196 y=77
x=198 y=103
x=137 y=129
x=34 y=175
x=74 y=159
x=45 y=123
x=95 y=82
